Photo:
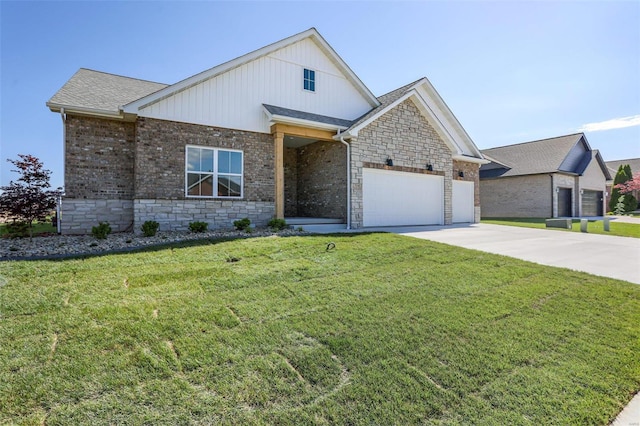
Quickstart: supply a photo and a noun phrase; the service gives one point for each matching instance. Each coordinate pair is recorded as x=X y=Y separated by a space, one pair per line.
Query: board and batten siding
x=234 y=98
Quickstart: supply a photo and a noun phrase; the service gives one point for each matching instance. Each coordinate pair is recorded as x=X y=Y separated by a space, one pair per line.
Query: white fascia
x=84 y=111
x=469 y=159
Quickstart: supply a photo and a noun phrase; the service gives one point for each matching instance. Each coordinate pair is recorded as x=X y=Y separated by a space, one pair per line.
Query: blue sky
x=510 y=71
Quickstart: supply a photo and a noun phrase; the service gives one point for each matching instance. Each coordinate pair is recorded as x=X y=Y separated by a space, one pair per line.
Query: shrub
x=101 y=231
x=150 y=227
x=277 y=224
x=198 y=226
x=242 y=224
x=629 y=201
x=17 y=229
x=620 y=206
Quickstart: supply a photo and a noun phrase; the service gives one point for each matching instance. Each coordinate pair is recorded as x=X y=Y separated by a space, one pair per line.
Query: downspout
x=348 y=179
x=553 y=191
x=64 y=168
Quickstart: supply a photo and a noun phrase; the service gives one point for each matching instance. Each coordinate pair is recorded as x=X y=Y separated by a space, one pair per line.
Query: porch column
x=278 y=139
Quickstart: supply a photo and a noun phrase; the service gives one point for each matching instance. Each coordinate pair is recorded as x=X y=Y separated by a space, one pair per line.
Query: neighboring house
x=556 y=177
x=613 y=166
x=285 y=131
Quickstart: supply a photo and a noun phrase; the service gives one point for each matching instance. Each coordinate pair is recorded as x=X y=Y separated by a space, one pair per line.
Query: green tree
x=29 y=198
x=622 y=176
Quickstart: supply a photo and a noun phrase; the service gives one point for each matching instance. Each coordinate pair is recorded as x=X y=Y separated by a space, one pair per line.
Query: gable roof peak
x=311 y=33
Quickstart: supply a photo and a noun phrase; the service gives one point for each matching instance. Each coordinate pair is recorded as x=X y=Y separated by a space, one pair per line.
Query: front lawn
x=619 y=229
x=38 y=228
x=381 y=329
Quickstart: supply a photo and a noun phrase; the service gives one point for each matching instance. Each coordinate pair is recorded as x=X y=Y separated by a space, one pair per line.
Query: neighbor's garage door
x=463 y=210
x=391 y=198
x=592 y=203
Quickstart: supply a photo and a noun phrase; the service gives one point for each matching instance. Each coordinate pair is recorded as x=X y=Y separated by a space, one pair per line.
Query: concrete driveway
x=604 y=255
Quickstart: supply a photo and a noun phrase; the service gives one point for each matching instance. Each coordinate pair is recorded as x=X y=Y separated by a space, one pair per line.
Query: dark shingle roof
x=385 y=100
x=292 y=113
x=94 y=90
x=613 y=166
x=543 y=156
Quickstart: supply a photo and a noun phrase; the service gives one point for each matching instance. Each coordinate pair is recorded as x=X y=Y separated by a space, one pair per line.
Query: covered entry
x=392 y=198
x=564 y=202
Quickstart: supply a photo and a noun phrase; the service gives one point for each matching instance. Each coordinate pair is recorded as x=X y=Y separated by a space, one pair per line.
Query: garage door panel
x=592 y=203
x=393 y=198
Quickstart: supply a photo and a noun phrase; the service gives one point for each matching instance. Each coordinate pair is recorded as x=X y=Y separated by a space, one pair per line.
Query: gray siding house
x=285 y=131
x=555 y=177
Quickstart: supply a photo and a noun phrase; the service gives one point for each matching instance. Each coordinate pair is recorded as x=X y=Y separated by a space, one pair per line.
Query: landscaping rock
x=59 y=246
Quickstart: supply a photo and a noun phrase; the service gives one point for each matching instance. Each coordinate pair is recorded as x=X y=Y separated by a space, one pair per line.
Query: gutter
x=468 y=159
x=84 y=111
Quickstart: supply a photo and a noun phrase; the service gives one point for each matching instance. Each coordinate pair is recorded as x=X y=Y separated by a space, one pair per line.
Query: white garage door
x=463 y=211
x=391 y=198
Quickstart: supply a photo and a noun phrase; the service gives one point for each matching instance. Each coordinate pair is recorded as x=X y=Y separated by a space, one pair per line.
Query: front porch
x=311 y=177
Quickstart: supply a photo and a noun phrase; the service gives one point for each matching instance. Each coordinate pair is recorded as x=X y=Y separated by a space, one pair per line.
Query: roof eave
x=469 y=159
x=277 y=118
x=71 y=109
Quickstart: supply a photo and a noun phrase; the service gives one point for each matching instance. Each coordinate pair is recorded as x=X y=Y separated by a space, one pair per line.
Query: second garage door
x=391 y=198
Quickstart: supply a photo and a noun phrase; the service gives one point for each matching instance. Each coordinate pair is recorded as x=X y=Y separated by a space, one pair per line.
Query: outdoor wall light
x=557 y=189
x=581 y=191
x=461 y=173
x=429 y=167
x=389 y=161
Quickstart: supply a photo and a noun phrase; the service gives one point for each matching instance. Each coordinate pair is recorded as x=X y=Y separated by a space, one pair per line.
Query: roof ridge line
x=533 y=141
x=122 y=76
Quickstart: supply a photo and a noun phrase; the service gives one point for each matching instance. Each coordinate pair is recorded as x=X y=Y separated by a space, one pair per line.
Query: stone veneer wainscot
x=404 y=135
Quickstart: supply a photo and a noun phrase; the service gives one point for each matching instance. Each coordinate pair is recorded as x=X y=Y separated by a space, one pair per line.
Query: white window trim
x=315 y=80
x=215 y=173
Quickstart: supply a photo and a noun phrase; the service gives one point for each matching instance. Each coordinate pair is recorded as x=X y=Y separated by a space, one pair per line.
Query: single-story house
x=613 y=166
x=285 y=131
x=556 y=177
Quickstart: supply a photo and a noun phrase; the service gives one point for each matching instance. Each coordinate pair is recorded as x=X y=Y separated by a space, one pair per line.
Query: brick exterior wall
x=406 y=136
x=127 y=173
x=322 y=180
x=518 y=196
x=110 y=163
x=99 y=158
x=290 y=182
x=160 y=158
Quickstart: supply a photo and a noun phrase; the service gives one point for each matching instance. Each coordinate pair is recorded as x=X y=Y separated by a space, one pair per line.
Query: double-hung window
x=213 y=172
x=309 y=80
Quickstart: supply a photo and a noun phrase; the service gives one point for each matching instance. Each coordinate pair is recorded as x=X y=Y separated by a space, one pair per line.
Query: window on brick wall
x=213 y=172
x=309 y=80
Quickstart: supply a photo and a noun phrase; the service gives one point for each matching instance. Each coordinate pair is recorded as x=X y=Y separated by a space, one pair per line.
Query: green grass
x=619 y=229
x=383 y=329
x=38 y=228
